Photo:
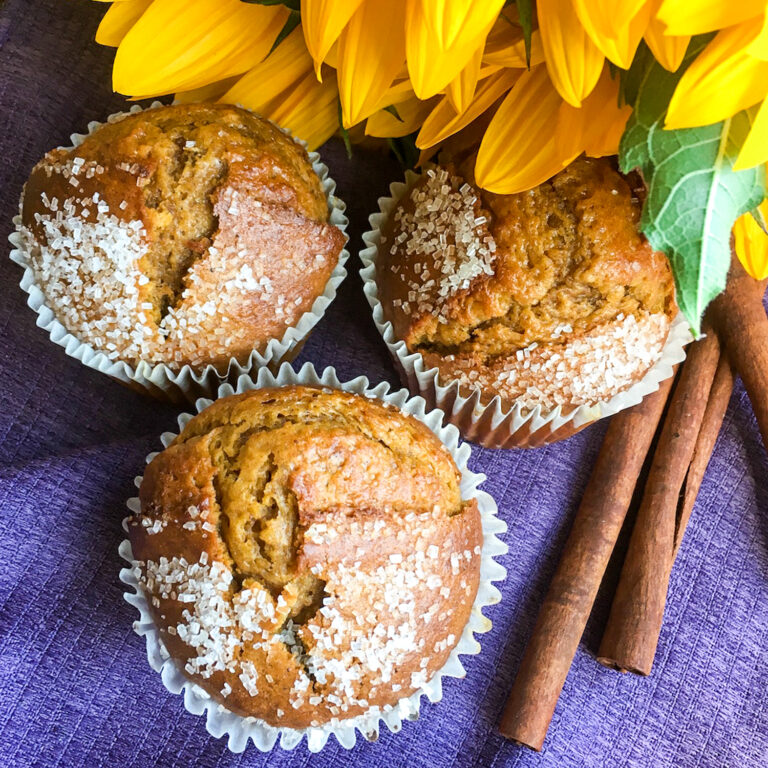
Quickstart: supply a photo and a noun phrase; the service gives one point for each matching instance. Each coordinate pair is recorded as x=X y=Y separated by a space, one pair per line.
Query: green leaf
x=694 y=195
x=393 y=111
x=525 y=14
x=294 y=5
x=630 y=79
x=757 y=215
x=405 y=150
x=294 y=17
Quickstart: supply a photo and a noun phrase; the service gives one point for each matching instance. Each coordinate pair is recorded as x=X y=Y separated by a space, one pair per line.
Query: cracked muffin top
x=550 y=296
x=306 y=553
x=187 y=234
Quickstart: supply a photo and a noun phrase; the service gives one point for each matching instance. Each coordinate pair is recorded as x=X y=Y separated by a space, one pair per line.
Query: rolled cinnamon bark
x=571 y=594
x=634 y=623
x=741 y=322
x=719 y=397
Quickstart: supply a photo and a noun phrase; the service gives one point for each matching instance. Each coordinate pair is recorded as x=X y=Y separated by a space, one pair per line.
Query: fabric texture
x=75 y=686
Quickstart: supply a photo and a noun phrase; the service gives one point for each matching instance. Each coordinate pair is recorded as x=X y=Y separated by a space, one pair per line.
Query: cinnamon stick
x=719 y=397
x=742 y=324
x=634 y=623
x=571 y=594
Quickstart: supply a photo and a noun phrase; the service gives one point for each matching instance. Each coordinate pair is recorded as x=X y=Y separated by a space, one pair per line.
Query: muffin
x=306 y=554
x=549 y=299
x=186 y=235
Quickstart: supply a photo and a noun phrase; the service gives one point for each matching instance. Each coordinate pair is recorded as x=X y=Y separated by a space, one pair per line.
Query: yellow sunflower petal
x=411 y=114
x=166 y=52
x=692 y=17
x=323 y=21
x=722 y=80
x=464 y=143
x=331 y=59
x=118 y=19
x=512 y=155
x=505 y=46
x=429 y=66
x=755 y=149
x=366 y=67
x=751 y=244
x=462 y=88
x=603 y=140
x=486 y=70
x=284 y=88
x=597 y=126
x=573 y=61
x=451 y=21
x=443 y=120
x=615 y=26
x=399 y=91
x=287 y=65
x=604 y=18
x=210 y=92
x=310 y=110
x=668 y=50
x=759 y=46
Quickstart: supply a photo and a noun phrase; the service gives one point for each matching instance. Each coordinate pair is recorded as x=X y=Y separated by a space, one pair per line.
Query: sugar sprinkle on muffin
x=180 y=235
x=548 y=297
x=306 y=554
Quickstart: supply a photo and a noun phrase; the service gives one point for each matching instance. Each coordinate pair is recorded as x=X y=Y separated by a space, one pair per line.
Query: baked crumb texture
x=180 y=235
x=306 y=554
x=548 y=297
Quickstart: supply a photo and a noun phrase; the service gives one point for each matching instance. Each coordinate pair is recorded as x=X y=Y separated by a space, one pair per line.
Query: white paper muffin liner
x=185 y=385
x=484 y=419
x=238 y=729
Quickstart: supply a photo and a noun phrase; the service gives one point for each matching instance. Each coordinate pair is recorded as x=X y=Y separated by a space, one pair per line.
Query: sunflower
x=395 y=65
x=532 y=85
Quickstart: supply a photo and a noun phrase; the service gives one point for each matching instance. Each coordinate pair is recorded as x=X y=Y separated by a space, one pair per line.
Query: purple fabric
x=75 y=686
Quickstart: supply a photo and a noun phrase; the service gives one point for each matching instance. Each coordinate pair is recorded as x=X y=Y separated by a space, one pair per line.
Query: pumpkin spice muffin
x=546 y=298
x=306 y=554
x=184 y=235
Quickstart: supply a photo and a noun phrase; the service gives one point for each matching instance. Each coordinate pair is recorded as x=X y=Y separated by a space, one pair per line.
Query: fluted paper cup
x=186 y=384
x=486 y=419
x=240 y=730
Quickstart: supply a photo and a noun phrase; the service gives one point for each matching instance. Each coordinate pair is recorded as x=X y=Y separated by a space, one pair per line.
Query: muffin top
x=507 y=291
x=186 y=234
x=306 y=553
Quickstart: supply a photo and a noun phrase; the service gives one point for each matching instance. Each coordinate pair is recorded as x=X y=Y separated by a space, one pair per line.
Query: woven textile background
x=75 y=686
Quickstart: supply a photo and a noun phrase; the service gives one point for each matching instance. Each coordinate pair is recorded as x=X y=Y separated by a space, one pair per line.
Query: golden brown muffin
x=183 y=235
x=306 y=553
x=550 y=297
